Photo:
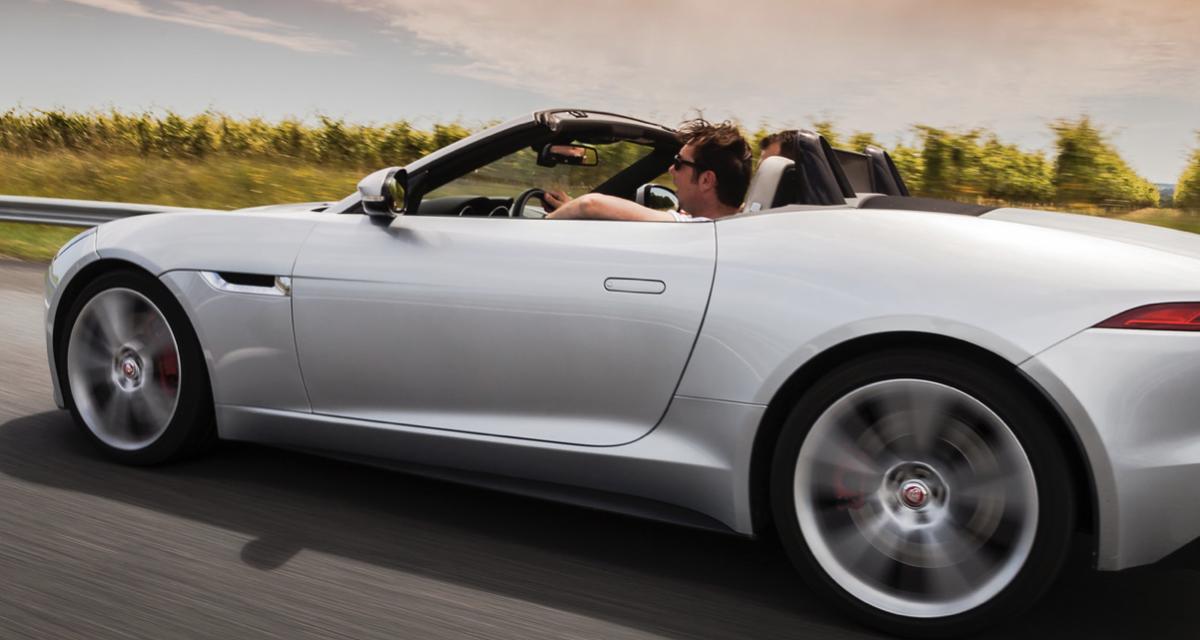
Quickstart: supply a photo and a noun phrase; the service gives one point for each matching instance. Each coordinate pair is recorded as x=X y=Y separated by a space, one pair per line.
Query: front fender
x=241 y=242
x=75 y=255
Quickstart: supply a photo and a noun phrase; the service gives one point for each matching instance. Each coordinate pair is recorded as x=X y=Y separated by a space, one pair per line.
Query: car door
x=563 y=330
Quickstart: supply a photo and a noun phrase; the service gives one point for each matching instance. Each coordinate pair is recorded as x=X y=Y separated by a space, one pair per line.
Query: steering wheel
x=518 y=205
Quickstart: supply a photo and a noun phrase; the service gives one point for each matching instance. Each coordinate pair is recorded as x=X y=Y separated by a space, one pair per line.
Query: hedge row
x=970 y=165
x=171 y=135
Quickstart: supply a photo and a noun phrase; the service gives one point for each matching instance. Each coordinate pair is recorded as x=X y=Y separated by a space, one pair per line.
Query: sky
x=1012 y=66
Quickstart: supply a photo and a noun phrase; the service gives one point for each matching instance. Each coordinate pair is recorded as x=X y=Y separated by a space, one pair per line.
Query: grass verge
x=213 y=183
x=1173 y=218
x=34 y=242
x=217 y=183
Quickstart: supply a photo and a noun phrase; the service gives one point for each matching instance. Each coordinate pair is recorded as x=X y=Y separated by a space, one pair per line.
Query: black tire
x=1032 y=429
x=191 y=427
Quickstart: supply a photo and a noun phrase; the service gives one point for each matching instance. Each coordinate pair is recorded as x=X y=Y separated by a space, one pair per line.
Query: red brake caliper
x=167 y=366
x=847 y=497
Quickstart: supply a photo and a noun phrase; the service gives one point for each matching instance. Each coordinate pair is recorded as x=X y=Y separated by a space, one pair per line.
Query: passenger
x=782 y=143
x=711 y=174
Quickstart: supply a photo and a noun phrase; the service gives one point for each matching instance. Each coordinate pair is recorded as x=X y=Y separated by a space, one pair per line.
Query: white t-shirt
x=683 y=217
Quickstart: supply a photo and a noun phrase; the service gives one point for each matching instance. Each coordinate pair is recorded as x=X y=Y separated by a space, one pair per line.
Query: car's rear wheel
x=924 y=492
x=133 y=371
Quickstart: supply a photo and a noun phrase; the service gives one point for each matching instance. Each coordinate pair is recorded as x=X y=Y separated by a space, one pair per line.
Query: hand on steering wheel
x=518 y=206
x=556 y=199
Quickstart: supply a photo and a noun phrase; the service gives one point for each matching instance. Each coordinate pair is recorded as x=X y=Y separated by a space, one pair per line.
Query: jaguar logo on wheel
x=914 y=495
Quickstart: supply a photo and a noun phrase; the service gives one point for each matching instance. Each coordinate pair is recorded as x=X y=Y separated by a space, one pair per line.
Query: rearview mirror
x=383 y=192
x=580 y=155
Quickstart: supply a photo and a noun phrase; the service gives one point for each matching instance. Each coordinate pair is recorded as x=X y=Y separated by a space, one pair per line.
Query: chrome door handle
x=635 y=285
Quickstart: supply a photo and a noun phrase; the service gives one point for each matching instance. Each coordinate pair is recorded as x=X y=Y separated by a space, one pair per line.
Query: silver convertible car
x=923 y=400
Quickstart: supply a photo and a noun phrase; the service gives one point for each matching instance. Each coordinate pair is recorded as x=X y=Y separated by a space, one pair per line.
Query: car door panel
x=570 y=331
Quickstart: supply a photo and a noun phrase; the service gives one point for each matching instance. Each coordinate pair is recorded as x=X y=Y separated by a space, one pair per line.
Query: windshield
x=519 y=171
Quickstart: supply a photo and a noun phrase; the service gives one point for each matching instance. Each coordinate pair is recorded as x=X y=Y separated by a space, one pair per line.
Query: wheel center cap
x=914 y=494
x=131 y=369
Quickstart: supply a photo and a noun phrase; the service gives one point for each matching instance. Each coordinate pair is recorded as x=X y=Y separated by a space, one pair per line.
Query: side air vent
x=250 y=283
x=247 y=279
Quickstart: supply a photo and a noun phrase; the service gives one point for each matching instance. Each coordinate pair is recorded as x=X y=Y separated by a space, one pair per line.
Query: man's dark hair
x=720 y=148
x=787 y=140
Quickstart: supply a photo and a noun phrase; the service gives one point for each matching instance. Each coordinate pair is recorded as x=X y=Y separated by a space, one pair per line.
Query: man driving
x=711 y=174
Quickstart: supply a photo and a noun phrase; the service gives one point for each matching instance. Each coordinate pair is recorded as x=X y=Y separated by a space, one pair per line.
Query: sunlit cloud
x=868 y=65
x=223 y=20
x=873 y=64
x=214 y=14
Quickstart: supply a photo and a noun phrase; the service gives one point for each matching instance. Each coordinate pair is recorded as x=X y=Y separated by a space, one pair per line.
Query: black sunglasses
x=680 y=162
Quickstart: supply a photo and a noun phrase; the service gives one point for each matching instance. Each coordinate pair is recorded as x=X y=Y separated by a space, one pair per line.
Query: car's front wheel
x=924 y=492
x=133 y=371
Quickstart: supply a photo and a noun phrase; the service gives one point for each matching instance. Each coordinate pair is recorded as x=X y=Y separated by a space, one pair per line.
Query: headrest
x=765 y=186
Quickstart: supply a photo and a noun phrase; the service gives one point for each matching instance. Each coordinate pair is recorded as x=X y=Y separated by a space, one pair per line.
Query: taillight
x=1171 y=316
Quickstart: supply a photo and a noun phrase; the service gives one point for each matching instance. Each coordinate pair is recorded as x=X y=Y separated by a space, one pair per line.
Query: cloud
x=222 y=20
x=872 y=64
x=214 y=14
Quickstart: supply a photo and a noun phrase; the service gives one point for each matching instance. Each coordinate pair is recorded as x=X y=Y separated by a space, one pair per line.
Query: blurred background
x=1086 y=106
x=1079 y=105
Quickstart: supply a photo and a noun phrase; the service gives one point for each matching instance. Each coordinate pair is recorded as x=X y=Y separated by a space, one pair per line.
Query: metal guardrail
x=75 y=213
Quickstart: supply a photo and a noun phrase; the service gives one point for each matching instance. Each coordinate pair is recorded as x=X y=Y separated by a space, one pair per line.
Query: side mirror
x=580 y=155
x=383 y=192
x=656 y=196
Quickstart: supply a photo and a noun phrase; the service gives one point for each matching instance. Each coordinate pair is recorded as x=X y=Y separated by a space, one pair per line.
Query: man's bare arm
x=597 y=206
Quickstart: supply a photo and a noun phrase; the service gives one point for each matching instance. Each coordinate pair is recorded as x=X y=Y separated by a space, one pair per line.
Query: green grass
x=34 y=242
x=1173 y=218
x=214 y=183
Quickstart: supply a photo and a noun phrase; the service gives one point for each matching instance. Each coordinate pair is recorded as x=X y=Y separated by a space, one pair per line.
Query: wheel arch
x=80 y=280
x=785 y=398
x=71 y=290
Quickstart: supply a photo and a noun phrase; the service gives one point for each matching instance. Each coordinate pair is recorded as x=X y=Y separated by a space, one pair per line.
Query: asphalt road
x=251 y=542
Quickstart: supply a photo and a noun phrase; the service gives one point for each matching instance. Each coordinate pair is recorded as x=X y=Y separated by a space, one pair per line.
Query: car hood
x=1161 y=238
x=245 y=241
x=299 y=207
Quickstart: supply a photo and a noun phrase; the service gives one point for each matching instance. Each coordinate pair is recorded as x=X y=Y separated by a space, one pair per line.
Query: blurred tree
x=1089 y=170
x=910 y=165
x=401 y=144
x=289 y=140
x=446 y=134
x=1187 y=190
x=828 y=131
x=970 y=165
x=950 y=163
x=1010 y=174
x=860 y=140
